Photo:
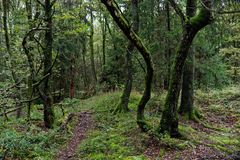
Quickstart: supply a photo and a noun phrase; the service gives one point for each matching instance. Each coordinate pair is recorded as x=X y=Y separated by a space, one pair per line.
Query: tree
x=48 y=64
x=94 y=75
x=131 y=35
x=186 y=107
x=5 y=4
x=123 y=104
x=191 y=25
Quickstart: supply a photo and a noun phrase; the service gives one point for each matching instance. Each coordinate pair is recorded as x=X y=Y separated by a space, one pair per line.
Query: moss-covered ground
x=215 y=136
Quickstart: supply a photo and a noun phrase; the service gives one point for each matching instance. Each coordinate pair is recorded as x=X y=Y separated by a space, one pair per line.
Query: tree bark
x=85 y=76
x=186 y=107
x=168 y=50
x=72 y=76
x=169 y=121
x=131 y=35
x=5 y=4
x=94 y=75
x=123 y=104
x=29 y=55
x=47 y=52
x=104 y=28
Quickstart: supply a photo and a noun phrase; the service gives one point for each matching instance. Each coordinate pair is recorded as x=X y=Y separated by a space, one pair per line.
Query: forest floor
x=215 y=136
x=84 y=124
x=96 y=134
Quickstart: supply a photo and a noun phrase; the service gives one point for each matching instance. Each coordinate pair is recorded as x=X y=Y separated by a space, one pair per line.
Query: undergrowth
x=117 y=136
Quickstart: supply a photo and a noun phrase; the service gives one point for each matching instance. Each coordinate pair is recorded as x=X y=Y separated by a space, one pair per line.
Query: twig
x=53 y=2
x=40 y=3
x=41 y=80
x=15 y=109
x=14 y=85
x=219 y=12
x=140 y=63
x=177 y=10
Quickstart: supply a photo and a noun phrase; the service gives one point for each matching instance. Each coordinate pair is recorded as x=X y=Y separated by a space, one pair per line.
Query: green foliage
x=106 y=146
x=115 y=136
x=33 y=144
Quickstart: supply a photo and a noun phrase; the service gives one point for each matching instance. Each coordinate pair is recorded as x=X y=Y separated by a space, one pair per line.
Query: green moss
x=162 y=152
x=224 y=140
x=199 y=20
x=184 y=129
x=116 y=136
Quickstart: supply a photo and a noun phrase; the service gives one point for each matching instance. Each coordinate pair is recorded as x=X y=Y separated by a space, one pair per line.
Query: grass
x=118 y=136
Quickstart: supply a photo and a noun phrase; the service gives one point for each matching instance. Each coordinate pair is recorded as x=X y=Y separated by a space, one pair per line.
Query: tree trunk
x=168 y=51
x=5 y=4
x=131 y=35
x=30 y=56
x=94 y=75
x=169 y=121
x=47 y=52
x=186 y=106
x=72 y=75
x=123 y=104
x=85 y=76
x=103 y=42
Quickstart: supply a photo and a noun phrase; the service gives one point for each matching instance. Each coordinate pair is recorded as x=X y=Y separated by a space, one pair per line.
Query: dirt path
x=85 y=123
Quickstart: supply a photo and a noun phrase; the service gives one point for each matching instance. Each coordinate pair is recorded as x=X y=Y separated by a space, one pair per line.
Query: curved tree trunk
x=186 y=106
x=123 y=104
x=169 y=121
x=131 y=35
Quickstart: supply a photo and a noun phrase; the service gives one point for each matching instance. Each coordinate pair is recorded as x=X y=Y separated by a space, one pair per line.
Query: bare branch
x=219 y=11
x=13 y=86
x=15 y=109
x=41 y=80
x=38 y=1
x=177 y=9
x=53 y=2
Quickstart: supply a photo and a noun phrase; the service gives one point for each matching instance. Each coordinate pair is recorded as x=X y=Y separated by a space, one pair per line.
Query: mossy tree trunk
x=131 y=35
x=28 y=53
x=186 y=107
x=47 y=52
x=191 y=26
x=168 y=49
x=6 y=5
x=123 y=104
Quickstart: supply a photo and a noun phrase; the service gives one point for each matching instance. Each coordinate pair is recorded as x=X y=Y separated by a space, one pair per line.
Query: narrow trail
x=85 y=123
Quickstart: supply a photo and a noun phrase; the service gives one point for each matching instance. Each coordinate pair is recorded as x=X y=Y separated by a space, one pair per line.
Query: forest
x=120 y=80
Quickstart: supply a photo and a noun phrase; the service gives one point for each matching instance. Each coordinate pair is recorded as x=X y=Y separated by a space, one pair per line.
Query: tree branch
x=53 y=2
x=177 y=10
x=38 y=1
x=14 y=85
x=15 y=109
x=219 y=12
